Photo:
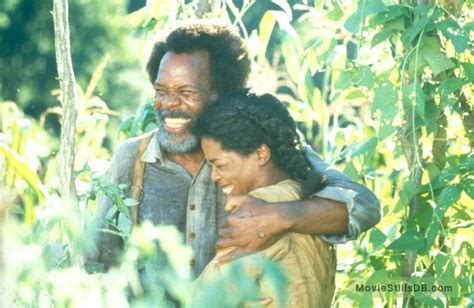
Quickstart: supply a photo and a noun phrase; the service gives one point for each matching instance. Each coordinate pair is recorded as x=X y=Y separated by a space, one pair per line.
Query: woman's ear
x=264 y=154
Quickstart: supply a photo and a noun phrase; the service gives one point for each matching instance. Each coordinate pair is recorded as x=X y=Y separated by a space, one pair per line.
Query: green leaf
x=120 y=204
x=344 y=80
x=381 y=36
x=397 y=24
x=336 y=14
x=409 y=241
x=377 y=263
x=368 y=146
x=379 y=277
x=443 y=265
x=409 y=35
x=450 y=86
x=386 y=130
x=432 y=112
x=438 y=61
x=20 y=165
x=391 y=13
x=467 y=184
x=265 y=29
x=351 y=171
x=407 y=192
x=353 y=93
x=469 y=249
x=468 y=70
x=353 y=23
x=413 y=94
x=311 y=59
x=430 y=51
x=364 y=77
x=283 y=21
x=377 y=238
x=367 y=8
x=421 y=10
x=130 y=202
x=385 y=100
x=423 y=216
x=340 y=139
x=374 y=7
x=446 y=198
x=292 y=61
x=452 y=31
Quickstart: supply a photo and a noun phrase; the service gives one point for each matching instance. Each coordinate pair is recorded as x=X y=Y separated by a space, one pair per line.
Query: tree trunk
x=67 y=83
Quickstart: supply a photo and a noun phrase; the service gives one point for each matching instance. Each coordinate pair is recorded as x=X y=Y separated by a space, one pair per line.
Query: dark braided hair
x=244 y=121
x=228 y=56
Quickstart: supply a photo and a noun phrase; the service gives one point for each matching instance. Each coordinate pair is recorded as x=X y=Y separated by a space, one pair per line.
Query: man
x=191 y=66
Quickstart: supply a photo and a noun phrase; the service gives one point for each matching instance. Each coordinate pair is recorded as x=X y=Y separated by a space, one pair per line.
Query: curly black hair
x=242 y=122
x=228 y=56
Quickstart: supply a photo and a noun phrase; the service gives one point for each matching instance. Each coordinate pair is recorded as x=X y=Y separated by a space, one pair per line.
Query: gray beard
x=174 y=143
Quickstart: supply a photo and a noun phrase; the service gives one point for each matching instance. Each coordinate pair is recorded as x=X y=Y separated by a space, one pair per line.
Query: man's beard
x=176 y=143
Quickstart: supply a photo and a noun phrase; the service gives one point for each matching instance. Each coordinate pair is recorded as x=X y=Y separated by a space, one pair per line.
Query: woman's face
x=235 y=173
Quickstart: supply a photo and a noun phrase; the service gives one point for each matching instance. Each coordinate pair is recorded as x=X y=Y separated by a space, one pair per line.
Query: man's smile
x=175 y=123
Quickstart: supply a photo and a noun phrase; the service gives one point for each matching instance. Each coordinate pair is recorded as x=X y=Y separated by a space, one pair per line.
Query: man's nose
x=167 y=101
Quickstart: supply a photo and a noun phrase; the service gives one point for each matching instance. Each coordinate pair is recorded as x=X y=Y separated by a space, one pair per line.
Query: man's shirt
x=195 y=205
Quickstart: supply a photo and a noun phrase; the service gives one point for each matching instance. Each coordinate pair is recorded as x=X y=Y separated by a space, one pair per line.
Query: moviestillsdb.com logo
x=402 y=287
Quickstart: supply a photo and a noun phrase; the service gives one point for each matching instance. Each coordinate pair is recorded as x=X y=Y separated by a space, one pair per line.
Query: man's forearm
x=313 y=216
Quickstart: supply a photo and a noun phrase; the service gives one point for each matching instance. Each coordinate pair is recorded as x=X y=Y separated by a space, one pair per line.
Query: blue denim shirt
x=195 y=205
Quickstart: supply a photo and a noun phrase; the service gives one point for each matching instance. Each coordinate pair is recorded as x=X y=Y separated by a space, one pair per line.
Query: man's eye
x=186 y=93
x=160 y=92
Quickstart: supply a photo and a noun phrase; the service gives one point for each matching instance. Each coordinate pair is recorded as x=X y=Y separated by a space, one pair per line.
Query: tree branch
x=67 y=83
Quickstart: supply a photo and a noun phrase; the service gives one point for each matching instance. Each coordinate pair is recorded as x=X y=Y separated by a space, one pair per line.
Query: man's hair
x=228 y=57
x=242 y=122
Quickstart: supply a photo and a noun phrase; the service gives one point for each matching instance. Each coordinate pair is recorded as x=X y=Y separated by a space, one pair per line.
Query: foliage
x=382 y=89
x=27 y=54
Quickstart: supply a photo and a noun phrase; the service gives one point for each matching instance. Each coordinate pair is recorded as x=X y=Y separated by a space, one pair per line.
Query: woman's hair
x=244 y=121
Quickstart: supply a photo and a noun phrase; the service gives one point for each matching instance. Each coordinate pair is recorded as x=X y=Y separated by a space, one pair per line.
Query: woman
x=253 y=147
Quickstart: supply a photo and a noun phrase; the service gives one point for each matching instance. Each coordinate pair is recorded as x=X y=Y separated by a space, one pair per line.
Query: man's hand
x=252 y=225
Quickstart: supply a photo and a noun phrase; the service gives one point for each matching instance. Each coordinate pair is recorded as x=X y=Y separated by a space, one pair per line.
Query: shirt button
x=193 y=263
x=192 y=235
x=192 y=207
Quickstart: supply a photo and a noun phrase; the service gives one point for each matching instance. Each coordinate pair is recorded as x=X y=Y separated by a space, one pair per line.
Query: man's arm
x=363 y=208
x=337 y=213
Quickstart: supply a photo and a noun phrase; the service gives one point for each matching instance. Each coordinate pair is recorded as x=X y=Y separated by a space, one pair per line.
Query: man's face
x=182 y=90
x=235 y=173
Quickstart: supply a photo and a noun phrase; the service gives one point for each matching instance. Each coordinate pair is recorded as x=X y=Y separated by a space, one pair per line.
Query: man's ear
x=264 y=154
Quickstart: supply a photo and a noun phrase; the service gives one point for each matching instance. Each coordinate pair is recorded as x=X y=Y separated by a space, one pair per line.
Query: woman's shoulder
x=287 y=190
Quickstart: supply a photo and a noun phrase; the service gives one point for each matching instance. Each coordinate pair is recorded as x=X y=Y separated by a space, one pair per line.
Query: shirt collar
x=153 y=152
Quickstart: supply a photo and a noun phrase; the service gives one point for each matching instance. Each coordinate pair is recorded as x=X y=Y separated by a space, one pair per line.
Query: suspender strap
x=137 y=184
